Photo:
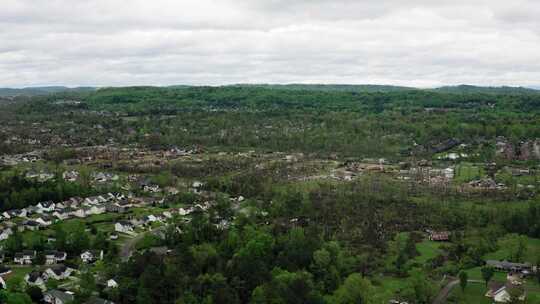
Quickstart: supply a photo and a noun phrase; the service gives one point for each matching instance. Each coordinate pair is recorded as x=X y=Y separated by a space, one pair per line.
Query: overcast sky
x=162 y=42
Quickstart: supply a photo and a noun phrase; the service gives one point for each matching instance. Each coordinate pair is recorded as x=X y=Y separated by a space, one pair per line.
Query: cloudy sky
x=162 y=42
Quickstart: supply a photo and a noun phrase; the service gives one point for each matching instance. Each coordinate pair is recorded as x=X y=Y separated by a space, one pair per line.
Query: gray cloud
x=161 y=42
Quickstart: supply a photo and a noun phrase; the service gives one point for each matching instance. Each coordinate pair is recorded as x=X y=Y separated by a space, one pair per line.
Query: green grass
x=474 y=294
x=466 y=172
x=17 y=274
x=387 y=287
x=476 y=274
x=531 y=255
x=427 y=250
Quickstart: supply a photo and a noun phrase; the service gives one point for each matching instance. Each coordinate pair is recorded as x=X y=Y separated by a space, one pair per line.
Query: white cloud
x=161 y=42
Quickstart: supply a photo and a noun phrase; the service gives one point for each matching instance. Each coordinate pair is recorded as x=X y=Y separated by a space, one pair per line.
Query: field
x=532 y=253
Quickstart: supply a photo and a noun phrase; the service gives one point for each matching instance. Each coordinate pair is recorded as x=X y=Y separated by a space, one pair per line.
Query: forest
x=301 y=233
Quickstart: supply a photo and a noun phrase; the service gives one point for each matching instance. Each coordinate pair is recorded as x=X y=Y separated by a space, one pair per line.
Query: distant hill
x=467 y=89
x=362 y=88
x=33 y=91
x=332 y=87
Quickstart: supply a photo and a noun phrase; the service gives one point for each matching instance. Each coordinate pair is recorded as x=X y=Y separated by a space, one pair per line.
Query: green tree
x=418 y=288
x=354 y=290
x=487 y=273
x=287 y=287
x=463 y=280
x=14 y=297
x=35 y=293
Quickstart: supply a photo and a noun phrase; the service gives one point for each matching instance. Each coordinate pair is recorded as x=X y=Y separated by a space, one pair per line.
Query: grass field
x=17 y=274
x=427 y=250
x=466 y=172
x=532 y=253
x=387 y=287
x=474 y=294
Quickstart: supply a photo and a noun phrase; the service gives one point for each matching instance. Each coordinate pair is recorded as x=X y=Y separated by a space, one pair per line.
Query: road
x=129 y=246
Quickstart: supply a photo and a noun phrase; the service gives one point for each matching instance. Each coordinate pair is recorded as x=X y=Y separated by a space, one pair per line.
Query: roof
x=4 y=269
x=34 y=276
x=58 y=269
x=56 y=253
x=506 y=264
x=495 y=286
x=63 y=296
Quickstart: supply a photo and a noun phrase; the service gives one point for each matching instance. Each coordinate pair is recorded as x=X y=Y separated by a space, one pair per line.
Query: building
x=90 y=256
x=501 y=292
x=439 y=236
x=35 y=278
x=509 y=266
x=124 y=227
x=25 y=257
x=53 y=257
x=58 y=272
x=56 y=296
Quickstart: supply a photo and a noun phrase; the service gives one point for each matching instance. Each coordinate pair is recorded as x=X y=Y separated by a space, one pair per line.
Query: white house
x=81 y=212
x=44 y=221
x=499 y=292
x=58 y=272
x=25 y=257
x=112 y=283
x=53 y=257
x=47 y=206
x=4 y=235
x=61 y=215
x=124 y=227
x=57 y=297
x=90 y=256
x=35 y=278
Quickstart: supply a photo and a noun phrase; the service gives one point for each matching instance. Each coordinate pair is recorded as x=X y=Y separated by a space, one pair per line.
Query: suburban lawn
x=531 y=255
x=474 y=294
x=427 y=250
x=17 y=274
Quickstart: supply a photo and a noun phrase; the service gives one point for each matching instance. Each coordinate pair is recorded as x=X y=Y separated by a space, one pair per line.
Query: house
x=502 y=292
x=25 y=257
x=509 y=266
x=124 y=227
x=147 y=186
x=90 y=256
x=56 y=296
x=4 y=234
x=113 y=236
x=92 y=200
x=4 y=270
x=47 y=206
x=58 y=272
x=45 y=220
x=439 y=236
x=81 y=212
x=30 y=225
x=149 y=219
x=35 y=278
x=53 y=257
x=70 y=176
x=2 y=283
x=32 y=210
x=61 y=214
x=116 y=208
x=112 y=283
x=97 y=210
x=14 y=213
